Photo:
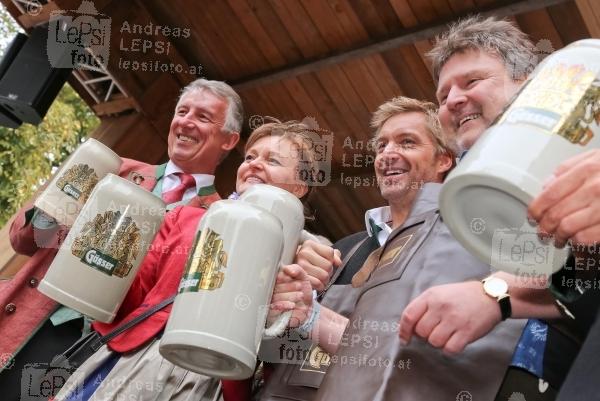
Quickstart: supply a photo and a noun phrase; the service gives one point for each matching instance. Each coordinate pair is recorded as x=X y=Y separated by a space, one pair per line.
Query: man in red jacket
x=33 y=328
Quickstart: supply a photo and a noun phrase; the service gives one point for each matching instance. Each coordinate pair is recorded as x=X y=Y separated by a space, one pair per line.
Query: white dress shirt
x=171 y=181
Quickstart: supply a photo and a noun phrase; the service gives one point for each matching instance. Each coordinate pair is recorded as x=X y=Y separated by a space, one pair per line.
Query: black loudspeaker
x=7 y=119
x=30 y=84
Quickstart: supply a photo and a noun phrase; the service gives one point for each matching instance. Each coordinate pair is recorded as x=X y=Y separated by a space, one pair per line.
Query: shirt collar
x=376 y=222
x=377 y=219
x=202 y=180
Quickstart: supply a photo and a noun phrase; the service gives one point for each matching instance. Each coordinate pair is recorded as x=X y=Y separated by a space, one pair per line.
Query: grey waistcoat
x=371 y=364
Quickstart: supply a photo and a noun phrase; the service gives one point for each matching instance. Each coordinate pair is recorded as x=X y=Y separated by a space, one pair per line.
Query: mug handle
x=281 y=322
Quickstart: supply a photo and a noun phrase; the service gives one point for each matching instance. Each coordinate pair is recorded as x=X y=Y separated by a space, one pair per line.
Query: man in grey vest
x=367 y=360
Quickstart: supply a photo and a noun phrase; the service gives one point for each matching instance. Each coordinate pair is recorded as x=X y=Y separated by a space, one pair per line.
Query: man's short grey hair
x=234 y=118
x=500 y=38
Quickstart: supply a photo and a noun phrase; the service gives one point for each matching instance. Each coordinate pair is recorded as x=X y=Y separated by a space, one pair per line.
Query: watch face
x=495 y=286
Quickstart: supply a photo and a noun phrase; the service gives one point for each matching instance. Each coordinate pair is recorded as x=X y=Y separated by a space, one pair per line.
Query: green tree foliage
x=29 y=154
x=8 y=28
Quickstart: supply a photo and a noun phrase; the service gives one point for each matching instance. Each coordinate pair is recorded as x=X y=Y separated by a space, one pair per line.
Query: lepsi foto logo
x=77 y=38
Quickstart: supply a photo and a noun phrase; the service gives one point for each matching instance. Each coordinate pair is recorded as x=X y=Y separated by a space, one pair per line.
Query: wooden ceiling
x=331 y=60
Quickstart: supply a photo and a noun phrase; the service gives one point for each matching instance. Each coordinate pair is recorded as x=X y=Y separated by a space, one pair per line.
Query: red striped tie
x=176 y=194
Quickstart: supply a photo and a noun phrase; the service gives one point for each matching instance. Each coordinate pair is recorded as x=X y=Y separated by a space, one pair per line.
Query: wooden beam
x=39 y=16
x=590 y=12
x=74 y=4
x=12 y=266
x=7 y=254
x=115 y=106
x=382 y=46
x=42 y=15
x=174 y=54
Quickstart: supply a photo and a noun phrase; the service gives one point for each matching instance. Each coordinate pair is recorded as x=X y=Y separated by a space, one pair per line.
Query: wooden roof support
x=32 y=16
x=385 y=45
x=116 y=106
x=33 y=13
x=590 y=12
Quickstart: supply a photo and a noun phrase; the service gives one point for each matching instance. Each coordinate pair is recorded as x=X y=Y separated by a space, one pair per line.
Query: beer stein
x=71 y=186
x=99 y=258
x=218 y=318
x=554 y=117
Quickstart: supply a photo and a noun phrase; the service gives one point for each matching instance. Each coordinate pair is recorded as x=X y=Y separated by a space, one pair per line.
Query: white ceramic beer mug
x=218 y=318
x=71 y=186
x=99 y=258
x=554 y=117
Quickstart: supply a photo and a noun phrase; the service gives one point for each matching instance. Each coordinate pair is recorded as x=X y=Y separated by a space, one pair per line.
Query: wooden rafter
x=590 y=12
x=385 y=45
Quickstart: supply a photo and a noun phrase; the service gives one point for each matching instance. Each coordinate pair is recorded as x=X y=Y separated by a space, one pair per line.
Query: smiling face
x=406 y=156
x=474 y=87
x=196 y=142
x=271 y=160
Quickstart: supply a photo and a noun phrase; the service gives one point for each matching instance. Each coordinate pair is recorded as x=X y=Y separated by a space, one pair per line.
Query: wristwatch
x=497 y=288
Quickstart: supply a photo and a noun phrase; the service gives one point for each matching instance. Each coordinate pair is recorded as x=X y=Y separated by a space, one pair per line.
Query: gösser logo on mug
x=70 y=188
x=554 y=117
x=218 y=318
x=98 y=260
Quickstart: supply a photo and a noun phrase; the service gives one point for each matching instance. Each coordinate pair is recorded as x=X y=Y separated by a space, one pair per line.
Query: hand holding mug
x=292 y=292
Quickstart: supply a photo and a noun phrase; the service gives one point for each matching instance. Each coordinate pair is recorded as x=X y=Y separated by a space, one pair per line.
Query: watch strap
x=505 y=306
